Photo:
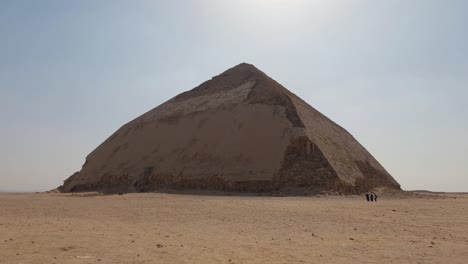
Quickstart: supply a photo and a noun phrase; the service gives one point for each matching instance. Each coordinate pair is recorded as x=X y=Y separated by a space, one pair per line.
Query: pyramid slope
x=239 y=131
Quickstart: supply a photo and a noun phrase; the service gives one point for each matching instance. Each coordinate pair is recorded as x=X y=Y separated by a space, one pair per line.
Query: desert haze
x=249 y=131
x=177 y=228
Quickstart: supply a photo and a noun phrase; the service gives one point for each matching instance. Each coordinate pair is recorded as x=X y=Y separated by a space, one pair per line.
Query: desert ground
x=181 y=228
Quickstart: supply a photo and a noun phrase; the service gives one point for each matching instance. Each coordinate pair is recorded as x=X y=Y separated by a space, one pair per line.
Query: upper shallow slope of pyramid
x=232 y=78
x=225 y=81
x=243 y=83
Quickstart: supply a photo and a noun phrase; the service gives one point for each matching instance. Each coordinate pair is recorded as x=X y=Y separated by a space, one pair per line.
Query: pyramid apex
x=244 y=68
x=245 y=64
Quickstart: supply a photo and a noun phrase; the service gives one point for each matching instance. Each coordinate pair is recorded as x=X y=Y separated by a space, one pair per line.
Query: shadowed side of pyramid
x=239 y=131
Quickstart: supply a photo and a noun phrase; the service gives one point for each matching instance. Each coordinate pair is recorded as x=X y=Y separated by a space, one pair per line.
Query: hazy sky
x=393 y=73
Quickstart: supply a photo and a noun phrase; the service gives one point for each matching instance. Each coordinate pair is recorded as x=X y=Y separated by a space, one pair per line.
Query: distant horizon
x=416 y=190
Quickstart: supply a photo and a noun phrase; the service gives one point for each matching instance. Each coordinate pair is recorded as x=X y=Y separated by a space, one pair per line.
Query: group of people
x=371 y=197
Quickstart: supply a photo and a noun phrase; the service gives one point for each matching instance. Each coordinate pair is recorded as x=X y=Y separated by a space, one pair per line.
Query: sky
x=394 y=73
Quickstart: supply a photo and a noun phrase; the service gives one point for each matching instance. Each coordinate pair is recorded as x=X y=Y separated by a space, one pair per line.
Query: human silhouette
x=372 y=197
x=368 y=197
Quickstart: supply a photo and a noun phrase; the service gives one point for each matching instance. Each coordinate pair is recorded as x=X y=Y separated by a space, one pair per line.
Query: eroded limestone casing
x=239 y=131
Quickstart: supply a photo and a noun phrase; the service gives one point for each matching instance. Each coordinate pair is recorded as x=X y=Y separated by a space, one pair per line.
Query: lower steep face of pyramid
x=255 y=149
x=303 y=166
x=239 y=147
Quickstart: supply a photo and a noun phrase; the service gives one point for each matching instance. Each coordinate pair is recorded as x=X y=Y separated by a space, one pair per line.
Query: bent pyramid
x=239 y=131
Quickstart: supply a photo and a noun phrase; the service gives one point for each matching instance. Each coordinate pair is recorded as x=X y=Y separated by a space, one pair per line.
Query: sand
x=175 y=228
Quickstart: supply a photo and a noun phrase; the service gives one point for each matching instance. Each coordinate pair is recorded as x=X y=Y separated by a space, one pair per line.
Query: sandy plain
x=179 y=228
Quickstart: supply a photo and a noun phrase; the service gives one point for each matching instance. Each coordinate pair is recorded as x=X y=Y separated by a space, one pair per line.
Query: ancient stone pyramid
x=239 y=131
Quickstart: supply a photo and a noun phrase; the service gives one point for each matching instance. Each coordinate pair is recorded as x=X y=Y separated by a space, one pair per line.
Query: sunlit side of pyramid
x=239 y=131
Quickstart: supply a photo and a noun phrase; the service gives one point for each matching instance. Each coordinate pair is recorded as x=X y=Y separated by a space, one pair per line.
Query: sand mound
x=239 y=131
